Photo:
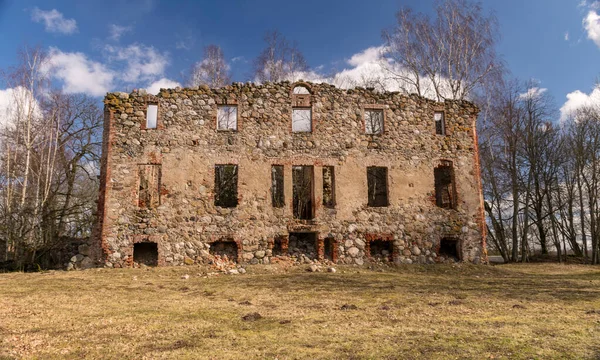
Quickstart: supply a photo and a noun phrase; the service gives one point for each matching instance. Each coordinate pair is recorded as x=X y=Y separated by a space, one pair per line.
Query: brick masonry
x=186 y=146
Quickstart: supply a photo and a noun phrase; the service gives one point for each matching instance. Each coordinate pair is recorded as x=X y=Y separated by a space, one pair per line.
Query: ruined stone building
x=256 y=172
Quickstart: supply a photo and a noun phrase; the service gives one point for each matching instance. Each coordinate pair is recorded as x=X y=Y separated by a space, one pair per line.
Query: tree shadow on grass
x=517 y=286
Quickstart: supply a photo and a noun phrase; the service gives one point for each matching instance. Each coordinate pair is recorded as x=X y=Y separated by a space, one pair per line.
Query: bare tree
x=586 y=151
x=50 y=147
x=279 y=60
x=212 y=70
x=451 y=55
x=27 y=81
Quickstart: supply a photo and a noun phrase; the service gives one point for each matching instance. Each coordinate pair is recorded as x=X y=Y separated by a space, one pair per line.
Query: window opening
x=440 y=124
x=378 y=186
x=151 y=116
x=227 y=117
x=145 y=253
x=226 y=189
x=224 y=249
x=328 y=186
x=303 y=243
x=445 y=191
x=301 y=120
x=302 y=179
x=149 y=186
x=277 y=194
x=374 y=121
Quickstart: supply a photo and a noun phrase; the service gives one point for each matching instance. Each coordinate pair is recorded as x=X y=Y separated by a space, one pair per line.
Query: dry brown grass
x=428 y=312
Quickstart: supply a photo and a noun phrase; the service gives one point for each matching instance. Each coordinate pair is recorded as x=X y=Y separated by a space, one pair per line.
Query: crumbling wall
x=186 y=144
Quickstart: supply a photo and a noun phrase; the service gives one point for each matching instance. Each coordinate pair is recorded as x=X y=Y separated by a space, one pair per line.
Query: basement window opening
x=151 y=116
x=303 y=243
x=145 y=253
x=449 y=248
x=226 y=250
x=302 y=183
x=381 y=249
x=377 y=186
x=226 y=186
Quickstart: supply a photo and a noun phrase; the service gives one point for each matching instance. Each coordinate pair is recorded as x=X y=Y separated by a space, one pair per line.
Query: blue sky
x=115 y=46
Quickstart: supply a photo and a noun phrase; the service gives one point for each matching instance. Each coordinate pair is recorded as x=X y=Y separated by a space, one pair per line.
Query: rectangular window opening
x=149 y=186
x=151 y=116
x=328 y=186
x=226 y=250
x=445 y=191
x=381 y=249
x=440 y=124
x=303 y=243
x=301 y=120
x=277 y=194
x=145 y=253
x=374 y=121
x=449 y=248
x=227 y=118
x=302 y=180
x=378 y=186
x=226 y=186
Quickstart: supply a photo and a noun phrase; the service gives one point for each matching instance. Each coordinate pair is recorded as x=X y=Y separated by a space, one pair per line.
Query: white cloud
x=591 y=23
x=567 y=36
x=80 y=74
x=594 y=5
x=578 y=99
x=368 y=69
x=364 y=65
x=6 y=111
x=54 y=21
x=164 y=83
x=143 y=63
x=15 y=101
x=369 y=55
x=116 y=31
x=533 y=92
x=128 y=66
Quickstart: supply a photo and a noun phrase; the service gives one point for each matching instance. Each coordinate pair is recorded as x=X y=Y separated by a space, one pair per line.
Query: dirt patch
x=252 y=317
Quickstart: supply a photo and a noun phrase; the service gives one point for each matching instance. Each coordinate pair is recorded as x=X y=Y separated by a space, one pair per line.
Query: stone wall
x=186 y=146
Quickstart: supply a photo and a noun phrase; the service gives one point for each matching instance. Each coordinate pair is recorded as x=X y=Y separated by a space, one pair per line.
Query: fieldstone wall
x=187 y=145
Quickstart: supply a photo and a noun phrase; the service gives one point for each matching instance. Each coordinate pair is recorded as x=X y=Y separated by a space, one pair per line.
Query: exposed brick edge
x=477 y=174
x=105 y=187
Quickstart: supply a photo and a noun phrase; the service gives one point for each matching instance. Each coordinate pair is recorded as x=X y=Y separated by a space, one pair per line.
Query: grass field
x=545 y=311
